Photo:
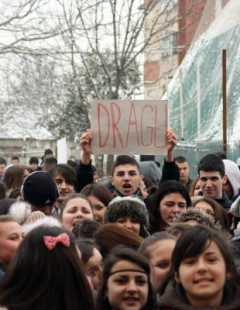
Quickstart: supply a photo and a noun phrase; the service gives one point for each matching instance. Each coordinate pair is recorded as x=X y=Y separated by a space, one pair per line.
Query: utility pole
x=224 y=98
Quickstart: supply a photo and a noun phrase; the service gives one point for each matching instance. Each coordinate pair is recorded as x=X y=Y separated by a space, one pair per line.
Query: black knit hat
x=128 y=206
x=39 y=189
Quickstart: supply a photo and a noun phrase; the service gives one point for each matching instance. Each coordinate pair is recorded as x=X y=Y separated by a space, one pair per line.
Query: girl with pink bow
x=46 y=274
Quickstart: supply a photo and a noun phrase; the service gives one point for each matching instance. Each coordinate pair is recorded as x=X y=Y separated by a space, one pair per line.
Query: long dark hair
x=195 y=240
x=68 y=173
x=39 y=278
x=86 y=247
x=122 y=253
x=165 y=188
x=192 y=242
x=85 y=228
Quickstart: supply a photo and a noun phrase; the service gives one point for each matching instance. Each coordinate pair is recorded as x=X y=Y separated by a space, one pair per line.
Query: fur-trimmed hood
x=233 y=175
x=21 y=212
x=46 y=221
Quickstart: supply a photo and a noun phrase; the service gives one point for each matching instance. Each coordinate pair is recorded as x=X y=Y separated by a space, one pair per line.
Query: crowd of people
x=147 y=238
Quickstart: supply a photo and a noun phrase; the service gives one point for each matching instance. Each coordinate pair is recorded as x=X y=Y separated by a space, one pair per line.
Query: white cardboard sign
x=129 y=127
x=62 y=151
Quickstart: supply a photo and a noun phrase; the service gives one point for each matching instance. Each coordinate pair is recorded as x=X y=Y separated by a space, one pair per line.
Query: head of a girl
x=195 y=216
x=85 y=229
x=100 y=196
x=108 y=236
x=212 y=207
x=52 y=253
x=126 y=281
x=169 y=200
x=14 y=176
x=11 y=235
x=129 y=212
x=158 y=249
x=75 y=208
x=195 y=187
x=202 y=263
x=92 y=261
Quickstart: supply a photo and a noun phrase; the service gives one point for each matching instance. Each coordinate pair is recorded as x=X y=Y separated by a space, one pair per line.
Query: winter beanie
x=128 y=206
x=233 y=174
x=39 y=189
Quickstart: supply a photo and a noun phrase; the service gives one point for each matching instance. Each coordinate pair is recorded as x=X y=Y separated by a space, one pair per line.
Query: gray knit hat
x=128 y=206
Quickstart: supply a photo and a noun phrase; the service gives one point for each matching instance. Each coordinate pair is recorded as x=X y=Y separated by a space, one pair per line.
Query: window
x=167 y=5
x=169 y=44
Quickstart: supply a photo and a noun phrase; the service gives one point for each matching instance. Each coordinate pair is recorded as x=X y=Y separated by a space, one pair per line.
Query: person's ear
x=225 y=178
x=177 y=277
x=112 y=180
x=141 y=178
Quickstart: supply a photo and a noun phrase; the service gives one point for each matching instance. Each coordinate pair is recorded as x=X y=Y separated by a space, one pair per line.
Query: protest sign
x=62 y=151
x=129 y=127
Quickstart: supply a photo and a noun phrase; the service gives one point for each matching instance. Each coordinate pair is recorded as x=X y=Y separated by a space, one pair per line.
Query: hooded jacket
x=233 y=175
x=150 y=169
x=174 y=299
x=235 y=207
x=21 y=212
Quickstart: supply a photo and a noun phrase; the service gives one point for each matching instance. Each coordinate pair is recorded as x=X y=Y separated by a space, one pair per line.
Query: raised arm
x=85 y=172
x=171 y=143
x=85 y=142
x=170 y=169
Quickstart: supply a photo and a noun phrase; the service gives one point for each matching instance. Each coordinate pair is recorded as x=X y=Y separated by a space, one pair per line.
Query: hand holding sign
x=85 y=142
x=171 y=143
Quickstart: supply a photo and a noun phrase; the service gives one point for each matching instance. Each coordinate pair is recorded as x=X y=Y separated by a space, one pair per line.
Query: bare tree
x=95 y=46
x=97 y=28
x=23 y=23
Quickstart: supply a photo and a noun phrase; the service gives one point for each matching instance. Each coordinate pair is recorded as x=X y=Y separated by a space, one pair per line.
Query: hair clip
x=50 y=241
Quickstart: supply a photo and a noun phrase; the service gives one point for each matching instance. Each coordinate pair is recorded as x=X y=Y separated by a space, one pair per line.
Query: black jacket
x=84 y=176
x=225 y=202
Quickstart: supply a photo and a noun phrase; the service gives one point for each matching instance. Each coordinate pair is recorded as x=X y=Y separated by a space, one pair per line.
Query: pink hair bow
x=51 y=241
